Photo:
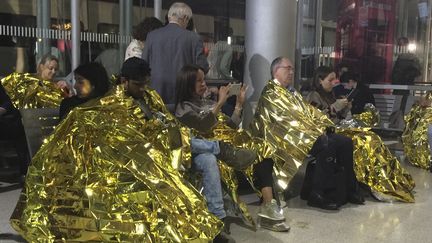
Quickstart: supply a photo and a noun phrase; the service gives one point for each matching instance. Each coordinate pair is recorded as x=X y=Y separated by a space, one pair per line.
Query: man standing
x=169 y=48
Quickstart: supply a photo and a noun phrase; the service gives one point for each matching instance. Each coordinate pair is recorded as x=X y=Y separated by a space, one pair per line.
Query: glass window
x=368 y=37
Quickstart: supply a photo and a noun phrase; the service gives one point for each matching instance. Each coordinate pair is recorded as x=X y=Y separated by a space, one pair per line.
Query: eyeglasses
x=289 y=68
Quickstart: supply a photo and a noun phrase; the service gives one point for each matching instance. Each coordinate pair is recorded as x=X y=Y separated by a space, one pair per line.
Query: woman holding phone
x=323 y=97
x=205 y=116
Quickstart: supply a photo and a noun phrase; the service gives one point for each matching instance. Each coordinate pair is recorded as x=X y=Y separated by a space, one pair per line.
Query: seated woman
x=203 y=115
x=323 y=98
x=91 y=81
x=337 y=109
x=37 y=90
x=333 y=181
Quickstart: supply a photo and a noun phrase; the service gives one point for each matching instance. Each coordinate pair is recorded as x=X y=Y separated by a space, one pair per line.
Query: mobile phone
x=352 y=94
x=234 y=89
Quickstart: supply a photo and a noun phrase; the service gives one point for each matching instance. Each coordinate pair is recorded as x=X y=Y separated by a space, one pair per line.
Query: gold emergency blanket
x=98 y=178
x=287 y=121
x=415 y=135
x=369 y=118
x=27 y=91
x=241 y=139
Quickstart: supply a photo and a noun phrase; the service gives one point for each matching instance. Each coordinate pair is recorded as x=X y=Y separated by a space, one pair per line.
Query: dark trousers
x=263 y=174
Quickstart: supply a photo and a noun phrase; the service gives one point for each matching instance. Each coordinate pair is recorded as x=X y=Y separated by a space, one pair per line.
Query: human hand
x=64 y=86
x=340 y=104
x=424 y=102
x=241 y=97
x=223 y=94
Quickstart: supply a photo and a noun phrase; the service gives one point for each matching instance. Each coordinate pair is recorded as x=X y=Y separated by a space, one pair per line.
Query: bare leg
x=267 y=194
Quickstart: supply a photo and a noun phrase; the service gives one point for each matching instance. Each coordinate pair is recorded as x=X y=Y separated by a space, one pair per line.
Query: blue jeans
x=200 y=146
x=204 y=161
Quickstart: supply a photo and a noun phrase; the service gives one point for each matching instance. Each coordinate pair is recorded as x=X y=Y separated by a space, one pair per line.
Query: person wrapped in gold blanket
x=284 y=119
x=109 y=173
x=416 y=136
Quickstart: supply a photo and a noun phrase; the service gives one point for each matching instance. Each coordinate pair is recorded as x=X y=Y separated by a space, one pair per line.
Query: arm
x=204 y=123
x=20 y=60
x=200 y=58
x=236 y=117
x=146 y=53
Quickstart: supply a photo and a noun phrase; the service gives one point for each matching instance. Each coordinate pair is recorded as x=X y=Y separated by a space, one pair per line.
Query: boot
x=237 y=158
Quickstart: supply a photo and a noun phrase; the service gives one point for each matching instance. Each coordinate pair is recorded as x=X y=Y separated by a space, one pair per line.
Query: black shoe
x=222 y=237
x=356 y=198
x=318 y=201
x=237 y=158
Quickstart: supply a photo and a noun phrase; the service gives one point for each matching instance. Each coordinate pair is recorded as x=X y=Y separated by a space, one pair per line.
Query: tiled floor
x=373 y=222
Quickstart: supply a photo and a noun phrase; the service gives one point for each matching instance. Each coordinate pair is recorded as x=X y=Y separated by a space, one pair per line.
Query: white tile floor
x=373 y=222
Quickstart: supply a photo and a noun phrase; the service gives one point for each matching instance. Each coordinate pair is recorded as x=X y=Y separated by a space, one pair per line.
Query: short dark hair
x=135 y=68
x=96 y=74
x=347 y=76
x=185 y=83
x=320 y=73
x=274 y=65
x=143 y=28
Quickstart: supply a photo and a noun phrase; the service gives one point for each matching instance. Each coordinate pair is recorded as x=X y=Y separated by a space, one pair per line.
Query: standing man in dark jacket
x=169 y=48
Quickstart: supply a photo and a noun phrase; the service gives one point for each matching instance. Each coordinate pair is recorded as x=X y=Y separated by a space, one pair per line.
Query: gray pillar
x=75 y=33
x=318 y=16
x=270 y=32
x=43 y=22
x=158 y=10
x=125 y=25
x=298 y=42
x=128 y=17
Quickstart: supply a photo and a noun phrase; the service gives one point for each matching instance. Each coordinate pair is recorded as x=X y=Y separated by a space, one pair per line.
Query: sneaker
x=272 y=225
x=271 y=211
x=237 y=158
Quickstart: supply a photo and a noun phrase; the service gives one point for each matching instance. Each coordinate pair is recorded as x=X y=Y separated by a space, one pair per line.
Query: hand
x=223 y=94
x=424 y=102
x=241 y=97
x=340 y=104
x=64 y=86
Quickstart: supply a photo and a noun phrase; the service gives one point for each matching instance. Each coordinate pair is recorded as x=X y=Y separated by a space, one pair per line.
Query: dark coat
x=363 y=97
x=68 y=104
x=167 y=50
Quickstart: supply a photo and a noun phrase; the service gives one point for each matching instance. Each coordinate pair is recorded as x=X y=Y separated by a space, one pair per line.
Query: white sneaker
x=271 y=211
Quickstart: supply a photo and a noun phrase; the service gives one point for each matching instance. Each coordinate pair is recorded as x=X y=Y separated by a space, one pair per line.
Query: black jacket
x=363 y=97
x=68 y=104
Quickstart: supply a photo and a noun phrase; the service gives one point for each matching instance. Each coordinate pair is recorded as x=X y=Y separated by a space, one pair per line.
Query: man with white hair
x=169 y=48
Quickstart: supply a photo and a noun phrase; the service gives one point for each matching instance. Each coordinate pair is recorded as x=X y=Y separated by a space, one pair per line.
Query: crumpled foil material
x=27 y=91
x=99 y=178
x=369 y=118
x=415 y=135
x=285 y=120
x=241 y=139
